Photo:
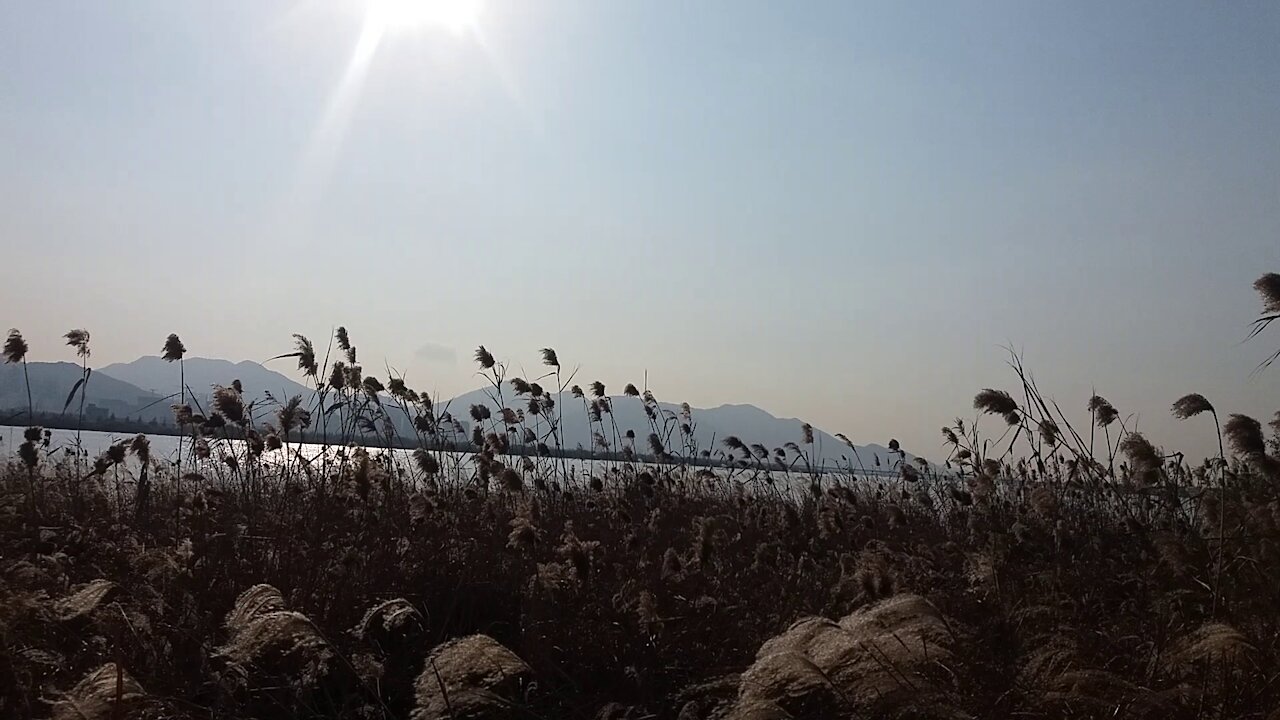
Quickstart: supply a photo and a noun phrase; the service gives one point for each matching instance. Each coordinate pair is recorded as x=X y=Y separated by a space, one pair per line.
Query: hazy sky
x=838 y=211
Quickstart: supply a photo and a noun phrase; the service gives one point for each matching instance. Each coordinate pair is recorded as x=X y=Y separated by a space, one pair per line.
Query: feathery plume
x=1104 y=413
x=995 y=402
x=228 y=403
x=472 y=677
x=1268 y=286
x=485 y=358
x=1049 y=431
x=426 y=462
x=85 y=599
x=173 y=348
x=306 y=355
x=79 y=339
x=1189 y=406
x=292 y=415
x=1244 y=434
x=338 y=376
x=390 y=622
x=1141 y=453
x=141 y=448
x=549 y=358
x=104 y=694
x=15 y=347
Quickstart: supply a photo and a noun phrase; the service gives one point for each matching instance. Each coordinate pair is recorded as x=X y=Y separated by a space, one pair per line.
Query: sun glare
x=456 y=15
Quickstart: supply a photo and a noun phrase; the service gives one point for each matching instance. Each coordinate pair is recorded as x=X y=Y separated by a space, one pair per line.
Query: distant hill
x=161 y=377
x=712 y=425
x=141 y=389
x=52 y=382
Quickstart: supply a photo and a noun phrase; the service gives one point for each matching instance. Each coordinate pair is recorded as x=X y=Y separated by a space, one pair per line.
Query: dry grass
x=1039 y=575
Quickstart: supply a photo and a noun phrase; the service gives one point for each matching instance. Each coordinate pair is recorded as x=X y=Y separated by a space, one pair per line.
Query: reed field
x=1039 y=570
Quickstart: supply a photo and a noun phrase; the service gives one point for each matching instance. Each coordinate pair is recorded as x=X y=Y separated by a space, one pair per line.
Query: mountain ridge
x=139 y=389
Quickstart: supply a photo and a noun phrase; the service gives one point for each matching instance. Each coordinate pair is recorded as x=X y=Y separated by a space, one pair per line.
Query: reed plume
x=15 y=351
x=173 y=348
x=1104 y=413
x=292 y=415
x=84 y=599
x=472 y=677
x=229 y=404
x=1268 y=286
x=79 y=339
x=390 y=623
x=107 y=693
x=15 y=347
x=426 y=462
x=485 y=358
x=994 y=402
x=1188 y=406
x=1244 y=434
x=306 y=354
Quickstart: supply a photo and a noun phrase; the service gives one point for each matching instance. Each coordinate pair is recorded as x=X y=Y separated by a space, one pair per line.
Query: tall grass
x=1035 y=573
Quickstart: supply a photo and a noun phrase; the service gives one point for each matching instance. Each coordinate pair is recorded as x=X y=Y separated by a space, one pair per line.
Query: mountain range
x=146 y=387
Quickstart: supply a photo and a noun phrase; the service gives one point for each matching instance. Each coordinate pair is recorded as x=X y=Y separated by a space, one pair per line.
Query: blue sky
x=837 y=211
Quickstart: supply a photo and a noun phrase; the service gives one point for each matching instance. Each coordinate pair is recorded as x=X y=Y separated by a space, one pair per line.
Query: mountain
x=142 y=388
x=711 y=425
x=162 y=378
x=52 y=382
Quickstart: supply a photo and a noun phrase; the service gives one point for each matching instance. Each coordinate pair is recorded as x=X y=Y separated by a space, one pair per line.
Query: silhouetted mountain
x=161 y=377
x=52 y=382
x=142 y=388
x=711 y=426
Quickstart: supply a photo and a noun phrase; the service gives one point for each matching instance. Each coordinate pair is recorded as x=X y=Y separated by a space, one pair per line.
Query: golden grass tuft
x=468 y=679
x=1214 y=644
x=388 y=622
x=260 y=629
x=880 y=660
x=107 y=693
x=85 y=599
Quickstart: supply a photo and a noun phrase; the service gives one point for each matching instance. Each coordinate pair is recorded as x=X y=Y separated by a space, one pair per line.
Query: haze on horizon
x=839 y=212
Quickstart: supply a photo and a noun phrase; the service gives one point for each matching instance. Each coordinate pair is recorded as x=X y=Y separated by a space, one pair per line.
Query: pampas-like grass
x=1212 y=643
x=876 y=661
x=15 y=347
x=260 y=630
x=107 y=693
x=471 y=678
x=85 y=599
x=1244 y=434
x=1190 y=405
x=390 y=623
x=995 y=402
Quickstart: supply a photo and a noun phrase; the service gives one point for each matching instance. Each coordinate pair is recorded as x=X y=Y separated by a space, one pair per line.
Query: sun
x=455 y=15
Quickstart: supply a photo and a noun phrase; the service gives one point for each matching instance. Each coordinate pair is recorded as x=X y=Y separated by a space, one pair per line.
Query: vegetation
x=1046 y=572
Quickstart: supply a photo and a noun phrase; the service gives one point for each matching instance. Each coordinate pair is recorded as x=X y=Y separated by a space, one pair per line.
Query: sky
x=842 y=212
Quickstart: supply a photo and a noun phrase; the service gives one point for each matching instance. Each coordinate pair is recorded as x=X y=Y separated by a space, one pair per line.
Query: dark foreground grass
x=1043 y=573
x=995 y=596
